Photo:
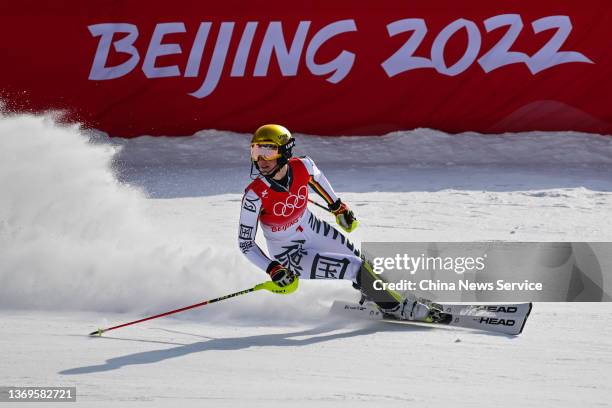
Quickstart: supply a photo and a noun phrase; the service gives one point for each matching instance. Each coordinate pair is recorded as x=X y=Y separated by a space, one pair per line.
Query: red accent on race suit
x=282 y=209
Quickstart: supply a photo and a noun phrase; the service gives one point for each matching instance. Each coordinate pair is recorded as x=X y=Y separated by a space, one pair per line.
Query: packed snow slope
x=95 y=231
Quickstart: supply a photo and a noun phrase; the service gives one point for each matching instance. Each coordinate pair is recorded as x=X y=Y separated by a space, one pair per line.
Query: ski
x=500 y=318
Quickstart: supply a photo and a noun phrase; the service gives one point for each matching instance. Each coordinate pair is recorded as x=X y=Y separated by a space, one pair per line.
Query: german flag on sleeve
x=320 y=191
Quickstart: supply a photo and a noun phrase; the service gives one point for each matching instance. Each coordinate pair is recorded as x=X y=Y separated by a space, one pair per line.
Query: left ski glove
x=344 y=216
x=279 y=274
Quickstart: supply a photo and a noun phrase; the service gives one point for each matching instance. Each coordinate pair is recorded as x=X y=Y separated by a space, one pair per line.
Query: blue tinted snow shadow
x=178 y=181
x=216 y=162
x=322 y=333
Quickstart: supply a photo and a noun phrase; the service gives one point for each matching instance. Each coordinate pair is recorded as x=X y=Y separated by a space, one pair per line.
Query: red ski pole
x=269 y=285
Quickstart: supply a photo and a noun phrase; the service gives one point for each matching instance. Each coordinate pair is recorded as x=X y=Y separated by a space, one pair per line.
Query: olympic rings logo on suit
x=293 y=202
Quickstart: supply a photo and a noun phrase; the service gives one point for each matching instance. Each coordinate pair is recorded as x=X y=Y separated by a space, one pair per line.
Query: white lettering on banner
x=217 y=62
x=342 y=64
x=403 y=59
x=473 y=47
x=500 y=55
x=244 y=47
x=289 y=54
x=549 y=56
x=157 y=49
x=274 y=40
x=195 y=56
x=99 y=71
x=288 y=58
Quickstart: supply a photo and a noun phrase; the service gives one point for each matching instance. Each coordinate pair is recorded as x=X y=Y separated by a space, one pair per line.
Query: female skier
x=300 y=244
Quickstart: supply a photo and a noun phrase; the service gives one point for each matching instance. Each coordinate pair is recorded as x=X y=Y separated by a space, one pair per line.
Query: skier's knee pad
x=384 y=298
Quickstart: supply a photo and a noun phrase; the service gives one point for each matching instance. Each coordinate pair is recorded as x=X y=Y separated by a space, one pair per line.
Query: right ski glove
x=344 y=216
x=279 y=274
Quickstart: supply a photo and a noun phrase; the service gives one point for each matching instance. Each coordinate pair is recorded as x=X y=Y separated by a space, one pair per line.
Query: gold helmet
x=272 y=142
x=273 y=134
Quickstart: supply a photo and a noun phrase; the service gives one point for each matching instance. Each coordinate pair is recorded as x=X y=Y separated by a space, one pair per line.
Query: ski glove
x=279 y=274
x=344 y=216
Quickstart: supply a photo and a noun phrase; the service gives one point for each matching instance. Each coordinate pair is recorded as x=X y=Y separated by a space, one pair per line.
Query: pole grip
x=270 y=286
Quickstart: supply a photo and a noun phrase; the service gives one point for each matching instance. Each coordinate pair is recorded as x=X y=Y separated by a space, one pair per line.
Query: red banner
x=333 y=68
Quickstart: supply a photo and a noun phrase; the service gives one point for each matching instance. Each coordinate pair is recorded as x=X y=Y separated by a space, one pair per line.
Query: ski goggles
x=265 y=151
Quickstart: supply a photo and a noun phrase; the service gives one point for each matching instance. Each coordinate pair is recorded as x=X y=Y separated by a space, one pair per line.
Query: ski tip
x=97 y=332
x=526 y=316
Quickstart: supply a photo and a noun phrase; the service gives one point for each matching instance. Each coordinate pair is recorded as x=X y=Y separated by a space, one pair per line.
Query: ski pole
x=269 y=286
x=319 y=205
x=353 y=225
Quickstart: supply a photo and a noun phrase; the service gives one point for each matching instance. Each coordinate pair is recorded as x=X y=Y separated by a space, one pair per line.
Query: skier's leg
x=369 y=283
x=318 y=251
x=307 y=262
x=371 y=286
x=329 y=243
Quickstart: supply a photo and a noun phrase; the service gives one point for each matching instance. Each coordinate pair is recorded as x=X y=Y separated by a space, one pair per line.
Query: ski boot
x=409 y=309
x=424 y=310
x=436 y=312
x=418 y=309
x=392 y=304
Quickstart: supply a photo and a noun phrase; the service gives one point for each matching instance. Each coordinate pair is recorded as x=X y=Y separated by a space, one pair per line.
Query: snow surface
x=96 y=231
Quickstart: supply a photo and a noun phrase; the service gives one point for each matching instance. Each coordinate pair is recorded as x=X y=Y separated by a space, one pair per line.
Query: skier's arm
x=319 y=183
x=249 y=215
